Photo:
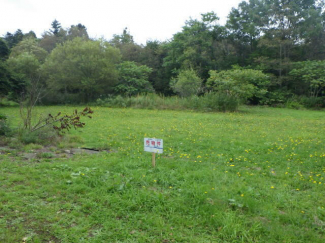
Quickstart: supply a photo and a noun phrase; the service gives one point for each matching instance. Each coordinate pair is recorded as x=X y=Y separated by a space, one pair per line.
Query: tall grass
x=208 y=102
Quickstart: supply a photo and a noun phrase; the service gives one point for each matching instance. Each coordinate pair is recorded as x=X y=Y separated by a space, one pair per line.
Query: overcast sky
x=145 y=19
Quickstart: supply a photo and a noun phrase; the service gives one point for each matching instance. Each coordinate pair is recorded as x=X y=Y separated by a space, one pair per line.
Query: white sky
x=145 y=19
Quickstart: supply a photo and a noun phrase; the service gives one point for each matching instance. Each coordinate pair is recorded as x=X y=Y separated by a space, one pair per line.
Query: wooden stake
x=154 y=159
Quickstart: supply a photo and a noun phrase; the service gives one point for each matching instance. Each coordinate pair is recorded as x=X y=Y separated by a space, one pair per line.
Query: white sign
x=153 y=145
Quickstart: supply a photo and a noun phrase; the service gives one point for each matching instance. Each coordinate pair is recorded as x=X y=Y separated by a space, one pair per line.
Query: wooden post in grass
x=153 y=145
x=153 y=159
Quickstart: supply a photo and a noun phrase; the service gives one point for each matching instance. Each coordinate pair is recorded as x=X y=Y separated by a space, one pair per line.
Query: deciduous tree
x=133 y=79
x=84 y=68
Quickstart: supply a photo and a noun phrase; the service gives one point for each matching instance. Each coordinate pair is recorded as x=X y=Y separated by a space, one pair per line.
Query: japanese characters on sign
x=153 y=145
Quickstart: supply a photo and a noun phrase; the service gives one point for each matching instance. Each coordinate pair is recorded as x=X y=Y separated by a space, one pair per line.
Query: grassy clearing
x=252 y=176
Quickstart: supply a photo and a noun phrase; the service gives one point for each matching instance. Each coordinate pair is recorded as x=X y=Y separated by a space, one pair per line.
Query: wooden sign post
x=153 y=145
x=153 y=159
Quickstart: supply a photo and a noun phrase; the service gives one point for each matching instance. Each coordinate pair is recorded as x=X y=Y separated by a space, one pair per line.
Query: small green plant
x=32 y=146
x=45 y=155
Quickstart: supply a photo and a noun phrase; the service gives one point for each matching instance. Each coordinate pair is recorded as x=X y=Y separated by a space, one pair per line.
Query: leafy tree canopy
x=83 y=67
x=133 y=79
x=31 y=46
x=187 y=83
x=200 y=46
x=242 y=83
x=313 y=74
x=4 y=50
x=14 y=39
x=77 y=31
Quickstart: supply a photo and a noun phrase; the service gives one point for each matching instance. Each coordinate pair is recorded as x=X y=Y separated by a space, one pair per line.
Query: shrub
x=6 y=102
x=313 y=102
x=118 y=101
x=241 y=83
x=45 y=136
x=187 y=83
x=300 y=102
x=311 y=73
x=276 y=98
x=221 y=102
x=4 y=126
x=133 y=79
x=292 y=104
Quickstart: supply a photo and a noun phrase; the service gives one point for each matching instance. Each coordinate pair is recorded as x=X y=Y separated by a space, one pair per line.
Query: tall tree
x=272 y=34
x=77 y=31
x=124 y=38
x=5 y=84
x=245 y=26
x=129 y=49
x=312 y=76
x=153 y=55
x=31 y=46
x=133 y=79
x=14 y=39
x=56 y=26
x=85 y=69
x=201 y=45
x=49 y=40
x=30 y=34
x=4 y=50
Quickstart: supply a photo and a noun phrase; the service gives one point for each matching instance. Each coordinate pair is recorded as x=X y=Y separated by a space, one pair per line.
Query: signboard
x=154 y=145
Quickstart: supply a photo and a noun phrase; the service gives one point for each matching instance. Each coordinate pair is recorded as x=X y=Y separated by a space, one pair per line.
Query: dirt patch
x=50 y=152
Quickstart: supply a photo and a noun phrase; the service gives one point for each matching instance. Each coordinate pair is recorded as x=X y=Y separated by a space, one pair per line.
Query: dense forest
x=268 y=52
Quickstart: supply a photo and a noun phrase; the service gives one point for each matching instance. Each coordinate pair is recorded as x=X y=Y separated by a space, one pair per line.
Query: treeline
x=269 y=52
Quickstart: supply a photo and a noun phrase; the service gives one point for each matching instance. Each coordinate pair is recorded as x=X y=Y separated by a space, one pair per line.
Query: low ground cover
x=252 y=176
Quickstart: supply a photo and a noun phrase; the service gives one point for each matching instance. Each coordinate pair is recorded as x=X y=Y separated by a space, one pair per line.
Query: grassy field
x=252 y=176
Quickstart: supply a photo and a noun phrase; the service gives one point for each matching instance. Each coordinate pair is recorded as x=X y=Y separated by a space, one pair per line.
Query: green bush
x=291 y=104
x=119 y=101
x=4 y=126
x=300 y=102
x=46 y=155
x=276 y=98
x=242 y=83
x=187 y=83
x=195 y=102
x=45 y=136
x=6 y=102
x=313 y=102
x=133 y=79
x=311 y=73
x=221 y=102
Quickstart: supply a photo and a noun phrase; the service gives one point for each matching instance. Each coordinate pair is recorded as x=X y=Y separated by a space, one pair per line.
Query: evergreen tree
x=55 y=27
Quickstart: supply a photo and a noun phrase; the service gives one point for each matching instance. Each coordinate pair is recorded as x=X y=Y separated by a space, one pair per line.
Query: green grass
x=252 y=176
